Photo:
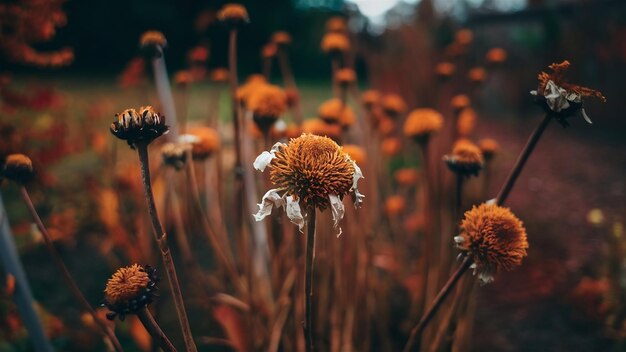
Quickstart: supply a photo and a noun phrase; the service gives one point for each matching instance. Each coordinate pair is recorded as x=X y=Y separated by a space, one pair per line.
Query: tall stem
x=69 y=281
x=521 y=160
x=154 y=330
x=166 y=255
x=414 y=338
x=308 y=283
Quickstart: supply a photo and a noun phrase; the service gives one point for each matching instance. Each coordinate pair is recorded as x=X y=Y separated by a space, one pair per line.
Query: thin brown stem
x=521 y=160
x=308 y=283
x=69 y=281
x=154 y=330
x=161 y=239
x=414 y=338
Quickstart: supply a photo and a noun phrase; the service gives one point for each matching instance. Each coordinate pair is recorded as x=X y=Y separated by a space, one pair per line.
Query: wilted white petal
x=294 y=213
x=491 y=201
x=270 y=199
x=485 y=277
x=585 y=116
x=188 y=139
x=336 y=206
x=556 y=97
x=261 y=161
x=358 y=197
x=280 y=126
x=459 y=239
x=533 y=92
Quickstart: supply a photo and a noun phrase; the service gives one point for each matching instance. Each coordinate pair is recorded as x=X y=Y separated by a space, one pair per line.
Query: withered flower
x=204 y=141
x=489 y=147
x=393 y=105
x=335 y=43
x=319 y=127
x=309 y=172
x=466 y=122
x=252 y=83
x=496 y=56
x=422 y=123
x=336 y=24
x=561 y=98
x=233 y=15
x=345 y=77
x=477 y=75
x=153 y=43
x=466 y=159
x=219 y=75
x=460 y=102
x=267 y=103
x=494 y=238
x=281 y=38
x=175 y=154
x=334 y=111
x=445 y=70
x=17 y=168
x=135 y=126
x=130 y=289
x=370 y=99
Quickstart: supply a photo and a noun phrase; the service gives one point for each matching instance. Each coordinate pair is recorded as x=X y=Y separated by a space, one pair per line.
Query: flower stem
x=166 y=255
x=414 y=338
x=521 y=160
x=308 y=283
x=154 y=330
x=69 y=281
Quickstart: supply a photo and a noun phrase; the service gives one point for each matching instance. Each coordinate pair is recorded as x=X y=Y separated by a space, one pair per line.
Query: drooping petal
x=270 y=199
x=337 y=208
x=358 y=197
x=265 y=158
x=294 y=213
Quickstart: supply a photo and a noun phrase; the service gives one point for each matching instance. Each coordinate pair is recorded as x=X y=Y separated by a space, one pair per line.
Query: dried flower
x=198 y=55
x=356 y=153
x=334 y=111
x=153 y=43
x=292 y=131
x=393 y=105
x=494 y=238
x=386 y=126
x=345 y=77
x=130 y=289
x=204 y=141
x=309 y=172
x=370 y=99
x=252 y=83
x=135 y=126
x=391 y=146
x=445 y=70
x=407 y=176
x=466 y=122
x=319 y=127
x=394 y=205
x=175 y=154
x=422 y=123
x=269 y=50
x=464 y=36
x=560 y=98
x=267 y=103
x=477 y=75
x=466 y=158
x=183 y=78
x=17 y=168
x=336 y=24
x=233 y=15
x=281 y=38
x=496 y=56
x=460 y=102
x=335 y=43
x=489 y=147
x=219 y=75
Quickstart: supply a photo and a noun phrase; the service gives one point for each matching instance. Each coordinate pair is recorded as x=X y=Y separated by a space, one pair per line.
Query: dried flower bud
x=345 y=77
x=267 y=103
x=466 y=159
x=393 y=105
x=142 y=126
x=335 y=43
x=130 y=289
x=422 y=123
x=233 y=15
x=17 y=168
x=153 y=43
x=175 y=154
x=489 y=147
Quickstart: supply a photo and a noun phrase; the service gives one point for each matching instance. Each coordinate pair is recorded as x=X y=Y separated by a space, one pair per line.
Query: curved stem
x=414 y=338
x=308 y=283
x=155 y=331
x=166 y=255
x=69 y=281
x=521 y=160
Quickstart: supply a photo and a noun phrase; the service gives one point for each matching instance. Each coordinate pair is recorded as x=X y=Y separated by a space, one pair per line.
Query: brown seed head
x=175 y=154
x=336 y=24
x=393 y=105
x=281 y=38
x=17 y=168
x=233 y=15
x=494 y=238
x=422 y=123
x=466 y=158
x=466 y=122
x=444 y=70
x=135 y=126
x=335 y=43
x=345 y=77
x=267 y=102
x=252 y=83
x=489 y=147
x=496 y=56
x=206 y=142
x=334 y=111
x=356 y=153
x=130 y=289
x=311 y=168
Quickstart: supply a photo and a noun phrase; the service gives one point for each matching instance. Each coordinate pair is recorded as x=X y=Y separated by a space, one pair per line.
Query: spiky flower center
x=126 y=284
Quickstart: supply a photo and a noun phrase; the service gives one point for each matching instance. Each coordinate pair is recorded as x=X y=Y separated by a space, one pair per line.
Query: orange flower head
x=153 y=43
x=460 y=102
x=356 y=153
x=445 y=70
x=386 y=126
x=371 y=98
x=391 y=146
x=494 y=238
x=464 y=36
x=406 y=177
x=489 y=147
x=394 y=205
x=183 y=78
x=245 y=90
x=17 y=168
x=233 y=15
x=561 y=98
x=269 y=51
x=466 y=122
x=345 y=77
x=393 y=105
x=281 y=38
x=477 y=75
x=219 y=75
x=129 y=290
x=337 y=24
x=198 y=55
x=422 y=123
x=335 y=43
x=466 y=158
x=496 y=56
x=334 y=111
x=204 y=141
x=293 y=131
x=267 y=103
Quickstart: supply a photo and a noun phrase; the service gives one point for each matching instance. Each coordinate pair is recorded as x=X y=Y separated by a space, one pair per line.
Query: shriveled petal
x=336 y=206
x=586 y=117
x=265 y=158
x=358 y=174
x=188 y=139
x=294 y=213
x=556 y=97
x=270 y=199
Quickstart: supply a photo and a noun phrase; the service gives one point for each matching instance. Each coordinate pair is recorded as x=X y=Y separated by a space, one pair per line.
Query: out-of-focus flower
x=198 y=55
x=561 y=98
x=407 y=176
x=334 y=111
x=465 y=160
x=394 y=205
x=489 y=147
x=17 y=168
x=175 y=154
x=281 y=39
x=595 y=216
x=153 y=43
x=496 y=56
x=204 y=141
x=267 y=102
x=422 y=123
x=335 y=43
x=393 y=105
x=466 y=122
x=336 y=24
x=494 y=238
x=308 y=172
x=252 y=83
x=370 y=99
x=293 y=97
x=464 y=36
x=356 y=153
x=134 y=73
x=269 y=50
x=345 y=77
x=135 y=126
x=183 y=78
x=460 y=102
x=321 y=128
x=292 y=131
x=391 y=146
x=233 y=15
x=219 y=75
x=130 y=289
x=477 y=75
x=445 y=70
